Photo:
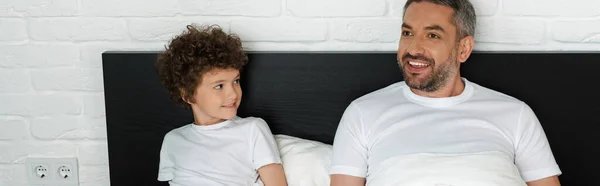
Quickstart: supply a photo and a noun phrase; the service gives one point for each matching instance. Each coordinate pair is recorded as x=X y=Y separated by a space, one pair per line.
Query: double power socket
x=53 y=171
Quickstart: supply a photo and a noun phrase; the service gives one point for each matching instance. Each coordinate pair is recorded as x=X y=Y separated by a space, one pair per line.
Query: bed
x=303 y=95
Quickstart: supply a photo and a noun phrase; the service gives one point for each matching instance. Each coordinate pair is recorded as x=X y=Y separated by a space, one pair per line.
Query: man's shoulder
x=385 y=93
x=488 y=94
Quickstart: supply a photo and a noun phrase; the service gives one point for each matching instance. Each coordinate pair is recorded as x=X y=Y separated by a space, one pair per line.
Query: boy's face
x=217 y=97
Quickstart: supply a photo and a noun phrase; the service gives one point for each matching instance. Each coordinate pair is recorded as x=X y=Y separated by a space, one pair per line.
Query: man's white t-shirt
x=223 y=154
x=393 y=122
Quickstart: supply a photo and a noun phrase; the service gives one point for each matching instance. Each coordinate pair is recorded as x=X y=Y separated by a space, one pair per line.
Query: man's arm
x=533 y=155
x=272 y=175
x=349 y=153
x=549 y=181
x=345 y=180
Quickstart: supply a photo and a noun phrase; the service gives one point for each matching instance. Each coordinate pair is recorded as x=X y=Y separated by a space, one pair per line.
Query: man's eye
x=219 y=86
x=406 y=33
x=434 y=36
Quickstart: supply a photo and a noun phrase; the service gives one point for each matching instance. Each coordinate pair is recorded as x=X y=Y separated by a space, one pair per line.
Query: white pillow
x=305 y=162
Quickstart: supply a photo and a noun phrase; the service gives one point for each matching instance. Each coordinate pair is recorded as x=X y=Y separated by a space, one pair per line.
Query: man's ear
x=465 y=47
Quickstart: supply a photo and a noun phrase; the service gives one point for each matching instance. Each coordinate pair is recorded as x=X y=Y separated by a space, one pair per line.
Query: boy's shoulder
x=179 y=131
x=252 y=124
x=237 y=124
x=249 y=119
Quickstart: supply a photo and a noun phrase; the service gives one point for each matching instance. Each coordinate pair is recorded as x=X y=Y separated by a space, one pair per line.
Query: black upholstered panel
x=304 y=95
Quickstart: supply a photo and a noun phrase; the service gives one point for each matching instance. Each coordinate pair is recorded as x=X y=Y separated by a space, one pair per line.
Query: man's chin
x=415 y=80
x=417 y=83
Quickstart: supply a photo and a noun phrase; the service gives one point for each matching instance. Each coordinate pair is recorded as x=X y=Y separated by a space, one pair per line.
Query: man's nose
x=415 y=47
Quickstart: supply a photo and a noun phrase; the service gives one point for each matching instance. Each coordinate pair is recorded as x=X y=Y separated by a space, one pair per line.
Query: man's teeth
x=417 y=64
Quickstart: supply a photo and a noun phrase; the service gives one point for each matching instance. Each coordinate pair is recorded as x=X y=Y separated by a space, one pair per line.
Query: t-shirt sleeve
x=349 y=154
x=263 y=147
x=166 y=165
x=533 y=156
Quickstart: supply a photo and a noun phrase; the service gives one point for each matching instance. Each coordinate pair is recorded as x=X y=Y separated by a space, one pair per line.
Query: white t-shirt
x=393 y=122
x=227 y=153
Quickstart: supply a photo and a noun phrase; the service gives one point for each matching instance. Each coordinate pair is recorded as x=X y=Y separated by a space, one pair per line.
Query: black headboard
x=305 y=94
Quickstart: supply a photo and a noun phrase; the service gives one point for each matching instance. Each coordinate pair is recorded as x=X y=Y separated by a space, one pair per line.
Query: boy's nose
x=232 y=94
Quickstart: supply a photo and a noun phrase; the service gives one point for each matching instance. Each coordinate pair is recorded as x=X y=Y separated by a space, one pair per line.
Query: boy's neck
x=206 y=121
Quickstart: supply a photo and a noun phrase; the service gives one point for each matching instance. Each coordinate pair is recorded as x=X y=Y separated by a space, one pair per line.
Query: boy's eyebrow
x=222 y=80
x=218 y=81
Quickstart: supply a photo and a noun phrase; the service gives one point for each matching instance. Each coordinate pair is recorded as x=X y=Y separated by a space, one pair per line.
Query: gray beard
x=435 y=81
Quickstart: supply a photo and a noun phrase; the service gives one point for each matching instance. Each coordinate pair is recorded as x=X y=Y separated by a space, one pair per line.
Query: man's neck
x=452 y=88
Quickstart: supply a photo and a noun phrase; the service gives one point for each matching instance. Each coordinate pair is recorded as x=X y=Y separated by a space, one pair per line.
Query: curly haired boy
x=201 y=70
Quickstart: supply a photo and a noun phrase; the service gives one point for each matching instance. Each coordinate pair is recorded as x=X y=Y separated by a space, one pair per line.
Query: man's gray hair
x=464 y=14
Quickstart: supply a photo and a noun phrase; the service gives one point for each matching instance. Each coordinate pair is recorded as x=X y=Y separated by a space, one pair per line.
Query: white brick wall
x=51 y=100
x=78 y=29
x=337 y=8
x=280 y=30
x=366 y=30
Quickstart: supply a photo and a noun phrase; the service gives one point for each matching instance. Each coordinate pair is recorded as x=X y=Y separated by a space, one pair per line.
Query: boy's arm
x=549 y=181
x=346 y=180
x=272 y=175
x=165 y=165
x=265 y=155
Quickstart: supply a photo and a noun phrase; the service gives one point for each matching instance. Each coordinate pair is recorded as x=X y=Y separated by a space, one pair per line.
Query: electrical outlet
x=53 y=171
x=38 y=172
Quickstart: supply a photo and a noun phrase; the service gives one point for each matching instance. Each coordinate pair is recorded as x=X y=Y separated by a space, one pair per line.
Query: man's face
x=427 y=53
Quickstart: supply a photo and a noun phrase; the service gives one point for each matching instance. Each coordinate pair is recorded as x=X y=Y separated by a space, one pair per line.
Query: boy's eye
x=220 y=86
x=237 y=81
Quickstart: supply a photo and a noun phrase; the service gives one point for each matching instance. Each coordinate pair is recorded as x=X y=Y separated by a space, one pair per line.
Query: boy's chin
x=228 y=116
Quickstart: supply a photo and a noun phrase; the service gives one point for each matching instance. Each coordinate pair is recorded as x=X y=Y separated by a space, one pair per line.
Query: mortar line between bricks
x=547 y=32
x=500 y=9
x=79 y=8
x=553 y=17
x=329 y=31
x=69 y=142
x=284 y=12
x=31 y=85
x=575 y=19
x=180 y=16
x=12 y=118
x=53 y=93
x=14 y=43
x=388 y=9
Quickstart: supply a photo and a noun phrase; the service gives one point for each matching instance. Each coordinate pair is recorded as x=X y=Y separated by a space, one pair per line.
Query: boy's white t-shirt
x=394 y=122
x=227 y=153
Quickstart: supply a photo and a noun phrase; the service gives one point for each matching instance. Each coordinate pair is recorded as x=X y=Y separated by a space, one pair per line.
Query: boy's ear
x=183 y=96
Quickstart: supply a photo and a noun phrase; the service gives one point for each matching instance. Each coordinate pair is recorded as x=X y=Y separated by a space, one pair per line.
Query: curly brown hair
x=195 y=51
